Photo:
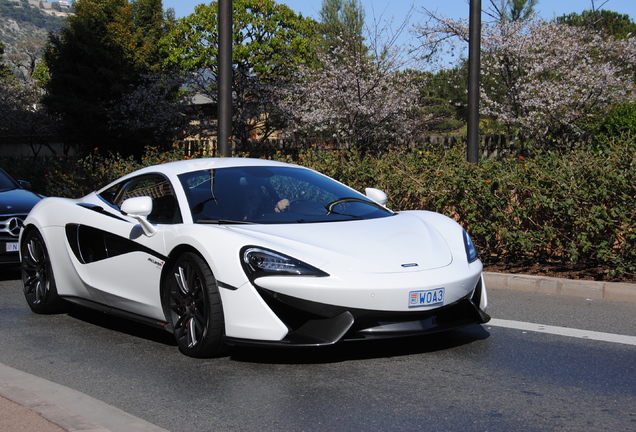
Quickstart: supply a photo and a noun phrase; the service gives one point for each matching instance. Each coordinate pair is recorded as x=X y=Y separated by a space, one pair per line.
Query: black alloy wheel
x=40 y=290
x=192 y=305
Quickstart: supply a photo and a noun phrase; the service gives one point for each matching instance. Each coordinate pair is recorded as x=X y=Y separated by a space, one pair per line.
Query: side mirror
x=376 y=195
x=139 y=208
x=24 y=184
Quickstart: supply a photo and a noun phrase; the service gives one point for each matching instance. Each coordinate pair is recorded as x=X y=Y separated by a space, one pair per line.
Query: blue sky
x=391 y=14
x=398 y=9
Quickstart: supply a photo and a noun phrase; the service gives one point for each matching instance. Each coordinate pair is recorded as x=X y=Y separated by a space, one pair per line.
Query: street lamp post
x=224 y=114
x=474 y=49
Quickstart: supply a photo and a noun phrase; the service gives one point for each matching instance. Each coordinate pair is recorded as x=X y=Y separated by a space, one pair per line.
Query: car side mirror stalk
x=376 y=195
x=139 y=208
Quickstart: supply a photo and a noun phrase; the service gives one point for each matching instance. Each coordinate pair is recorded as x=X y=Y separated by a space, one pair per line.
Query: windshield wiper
x=333 y=204
x=345 y=214
x=223 y=222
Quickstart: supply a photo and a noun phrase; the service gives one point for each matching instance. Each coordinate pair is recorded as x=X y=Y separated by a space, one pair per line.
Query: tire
x=192 y=304
x=38 y=281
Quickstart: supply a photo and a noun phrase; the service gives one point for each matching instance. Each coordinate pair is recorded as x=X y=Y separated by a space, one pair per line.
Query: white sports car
x=233 y=251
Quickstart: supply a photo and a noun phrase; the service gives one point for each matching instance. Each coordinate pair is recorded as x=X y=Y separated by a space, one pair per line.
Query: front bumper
x=317 y=324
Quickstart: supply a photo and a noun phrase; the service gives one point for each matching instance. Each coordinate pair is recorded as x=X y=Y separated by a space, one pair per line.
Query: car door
x=119 y=259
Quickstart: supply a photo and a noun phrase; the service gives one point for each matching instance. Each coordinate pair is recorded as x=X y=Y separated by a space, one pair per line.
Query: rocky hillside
x=24 y=20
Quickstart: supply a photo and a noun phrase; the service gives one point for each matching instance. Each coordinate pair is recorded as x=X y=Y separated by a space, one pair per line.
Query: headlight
x=258 y=262
x=471 y=252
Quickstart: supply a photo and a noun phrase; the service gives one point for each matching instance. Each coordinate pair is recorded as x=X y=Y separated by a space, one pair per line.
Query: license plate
x=12 y=247
x=426 y=298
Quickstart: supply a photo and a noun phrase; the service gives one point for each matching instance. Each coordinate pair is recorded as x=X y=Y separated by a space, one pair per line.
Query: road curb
x=64 y=407
x=623 y=292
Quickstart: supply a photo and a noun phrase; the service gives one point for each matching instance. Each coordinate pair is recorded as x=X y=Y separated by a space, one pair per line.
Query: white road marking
x=563 y=331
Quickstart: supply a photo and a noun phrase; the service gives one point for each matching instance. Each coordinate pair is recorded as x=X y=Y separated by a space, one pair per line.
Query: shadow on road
x=358 y=350
x=294 y=355
x=8 y=273
x=364 y=349
x=122 y=325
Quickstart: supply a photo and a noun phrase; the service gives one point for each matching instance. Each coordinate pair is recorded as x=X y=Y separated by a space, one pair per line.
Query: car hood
x=17 y=201
x=403 y=242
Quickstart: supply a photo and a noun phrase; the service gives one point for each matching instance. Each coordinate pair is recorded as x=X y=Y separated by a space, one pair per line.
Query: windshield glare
x=273 y=195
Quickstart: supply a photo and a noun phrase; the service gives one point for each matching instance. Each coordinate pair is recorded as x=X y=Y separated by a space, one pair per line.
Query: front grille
x=10 y=226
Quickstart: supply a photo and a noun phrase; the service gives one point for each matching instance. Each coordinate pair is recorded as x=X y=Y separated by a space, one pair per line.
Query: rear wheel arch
x=38 y=280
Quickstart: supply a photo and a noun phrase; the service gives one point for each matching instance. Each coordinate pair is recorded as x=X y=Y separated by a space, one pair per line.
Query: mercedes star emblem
x=14 y=226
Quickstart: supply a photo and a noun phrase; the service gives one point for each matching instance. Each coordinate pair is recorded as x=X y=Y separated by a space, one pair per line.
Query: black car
x=16 y=200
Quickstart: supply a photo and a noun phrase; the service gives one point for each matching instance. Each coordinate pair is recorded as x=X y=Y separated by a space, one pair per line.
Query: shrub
x=548 y=208
x=619 y=124
x=73 y=178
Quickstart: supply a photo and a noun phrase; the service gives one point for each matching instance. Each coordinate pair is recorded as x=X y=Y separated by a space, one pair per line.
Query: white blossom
x=354 y=100
x=542 y=78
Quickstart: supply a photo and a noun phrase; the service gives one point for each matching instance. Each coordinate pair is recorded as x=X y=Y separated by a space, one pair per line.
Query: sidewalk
x=623 y=292
x=32 y=404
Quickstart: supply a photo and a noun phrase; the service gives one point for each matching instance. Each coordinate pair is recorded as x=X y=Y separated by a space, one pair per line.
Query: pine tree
x=342 y=25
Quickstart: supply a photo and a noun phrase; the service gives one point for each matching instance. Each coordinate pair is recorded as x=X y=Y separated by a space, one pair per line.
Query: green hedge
x=72 y=178
x=547 y=208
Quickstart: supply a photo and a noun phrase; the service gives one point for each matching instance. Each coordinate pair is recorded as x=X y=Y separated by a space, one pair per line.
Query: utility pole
x=474 y=65
x=224 y=102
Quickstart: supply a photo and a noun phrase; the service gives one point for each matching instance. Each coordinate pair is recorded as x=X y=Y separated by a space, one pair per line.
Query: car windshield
x=6 y=182
x=273 y=195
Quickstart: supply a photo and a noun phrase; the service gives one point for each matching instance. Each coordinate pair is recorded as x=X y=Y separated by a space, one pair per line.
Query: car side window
x=110 y=194
x=165 y=209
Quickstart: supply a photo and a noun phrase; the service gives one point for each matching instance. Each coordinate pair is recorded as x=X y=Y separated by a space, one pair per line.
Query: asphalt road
x=482 y=378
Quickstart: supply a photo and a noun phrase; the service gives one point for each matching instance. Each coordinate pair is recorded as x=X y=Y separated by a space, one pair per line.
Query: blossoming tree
x=543 y=80
x=354 y=101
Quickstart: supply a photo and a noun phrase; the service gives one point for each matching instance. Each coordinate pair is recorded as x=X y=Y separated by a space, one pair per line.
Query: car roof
x=188 y=165
x=175 y=168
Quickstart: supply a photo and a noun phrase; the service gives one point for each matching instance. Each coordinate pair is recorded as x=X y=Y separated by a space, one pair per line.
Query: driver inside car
x=255 y=204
